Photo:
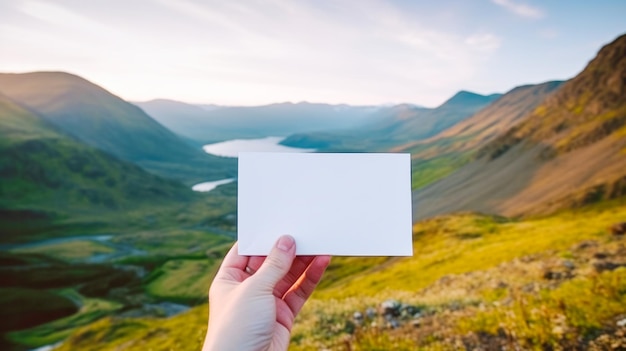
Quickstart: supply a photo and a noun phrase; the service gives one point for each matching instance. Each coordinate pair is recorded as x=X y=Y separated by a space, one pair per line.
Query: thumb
x=277 y=263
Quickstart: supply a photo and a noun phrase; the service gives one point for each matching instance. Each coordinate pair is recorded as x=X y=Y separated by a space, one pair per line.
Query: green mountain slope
x=569 y=151
x=103 y=120
x=440 y=155
x=397 y=125
x=222 y=123
x=47 y=176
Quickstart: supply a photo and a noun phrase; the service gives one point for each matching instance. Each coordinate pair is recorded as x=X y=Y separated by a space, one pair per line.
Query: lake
x=232 y=148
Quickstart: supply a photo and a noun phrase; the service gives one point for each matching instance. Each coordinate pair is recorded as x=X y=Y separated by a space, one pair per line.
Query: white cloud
x=520 y=9
x=364 y=52
x=484 y=41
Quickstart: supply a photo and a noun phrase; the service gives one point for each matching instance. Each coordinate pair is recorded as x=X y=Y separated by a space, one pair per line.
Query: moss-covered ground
x=552 y=282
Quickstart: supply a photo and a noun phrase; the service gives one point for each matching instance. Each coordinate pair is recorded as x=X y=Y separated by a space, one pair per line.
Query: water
x=208 y=186
x=232 y=148
x=47 y=347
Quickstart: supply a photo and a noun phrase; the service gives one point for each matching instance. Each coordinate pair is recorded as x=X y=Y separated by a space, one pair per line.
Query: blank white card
x=350 y=204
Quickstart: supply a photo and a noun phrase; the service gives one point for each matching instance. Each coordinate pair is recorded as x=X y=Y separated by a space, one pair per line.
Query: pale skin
x=254 y=300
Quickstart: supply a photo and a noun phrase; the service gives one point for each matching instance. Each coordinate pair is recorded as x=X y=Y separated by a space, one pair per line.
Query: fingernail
x=285 y=243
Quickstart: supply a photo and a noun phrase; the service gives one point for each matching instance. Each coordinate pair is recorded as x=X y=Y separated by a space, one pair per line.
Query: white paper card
x=353 y=204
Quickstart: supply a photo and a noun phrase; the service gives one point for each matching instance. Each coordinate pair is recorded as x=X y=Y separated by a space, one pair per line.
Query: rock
x=500 y=285
x=552 y=275
x=621 y=323
x=393 y=323
x=370 y=312
x=586 y=244
x=618 y=228
x=602 y=266
x=569 y=264
x=358 y=317
x=391 y=308
x=600 y=255
x=409 y=311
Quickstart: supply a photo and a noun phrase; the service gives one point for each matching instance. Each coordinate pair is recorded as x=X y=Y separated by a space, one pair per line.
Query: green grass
x=457 y=259
x=183 y=280
x=69 y=251
x=180 y=242
x=578 y=308
x=462 y=243
x=91 y=310
x=182 y=332
x=425 y=172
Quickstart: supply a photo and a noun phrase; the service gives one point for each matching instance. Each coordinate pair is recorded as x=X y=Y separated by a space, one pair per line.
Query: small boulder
x=390 y=308
x=618 y=229
x=602 y=266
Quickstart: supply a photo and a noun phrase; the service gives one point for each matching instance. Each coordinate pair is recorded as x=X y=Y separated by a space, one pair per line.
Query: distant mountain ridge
x=567 y=152
x=103 y=120
x=397 y=125
x=218 y=123
x=485 y=125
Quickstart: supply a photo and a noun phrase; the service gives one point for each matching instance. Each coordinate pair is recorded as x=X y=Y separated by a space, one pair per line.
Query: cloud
x=253 y=52
x=520 y=9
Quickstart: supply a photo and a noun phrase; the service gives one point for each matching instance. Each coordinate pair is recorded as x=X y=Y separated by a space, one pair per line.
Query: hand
x=253 y=301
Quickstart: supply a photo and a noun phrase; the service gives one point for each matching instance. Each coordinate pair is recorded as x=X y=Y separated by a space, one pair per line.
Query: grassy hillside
x=475 y=280
x=439 y=156
x=568 y=151
x=103 y=120
x=48 y=177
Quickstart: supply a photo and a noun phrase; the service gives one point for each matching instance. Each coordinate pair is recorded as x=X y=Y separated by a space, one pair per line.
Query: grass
x=91 y=310
x=180 y=242
x=450 y=247
x=578 y=308
x=182 y=332
x=462 y=243
x=69 y=251
x=184 y=281
x=427 y=171
x=469 y=275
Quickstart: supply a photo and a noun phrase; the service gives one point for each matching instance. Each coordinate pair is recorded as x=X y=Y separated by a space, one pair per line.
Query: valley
x=114 y=217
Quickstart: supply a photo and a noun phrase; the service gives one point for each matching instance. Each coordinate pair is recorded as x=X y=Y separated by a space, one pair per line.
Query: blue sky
x=360 y=52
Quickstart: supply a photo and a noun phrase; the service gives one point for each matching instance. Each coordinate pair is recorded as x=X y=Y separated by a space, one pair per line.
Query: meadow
x=556 y=282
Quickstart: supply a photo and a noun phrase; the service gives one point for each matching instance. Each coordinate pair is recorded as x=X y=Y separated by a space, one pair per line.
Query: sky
x=359 y=52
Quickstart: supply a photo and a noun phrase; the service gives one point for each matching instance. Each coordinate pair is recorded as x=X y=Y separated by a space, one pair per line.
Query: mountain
x=567 y=152
x=214 y=123
x=487 y=123
x=397 y=125
x=438 y=156
x=46 y=175
x=103 y=120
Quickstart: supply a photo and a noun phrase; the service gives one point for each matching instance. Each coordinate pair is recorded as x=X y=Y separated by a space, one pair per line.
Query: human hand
x=254 y=300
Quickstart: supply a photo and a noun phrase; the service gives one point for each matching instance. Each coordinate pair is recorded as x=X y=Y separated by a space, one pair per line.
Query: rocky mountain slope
x=568 y=151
